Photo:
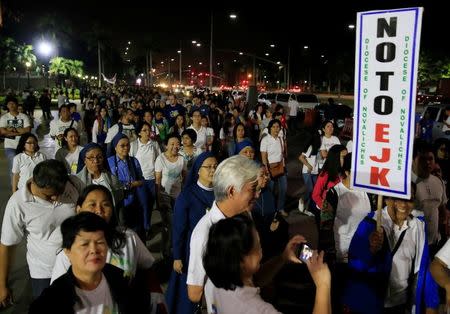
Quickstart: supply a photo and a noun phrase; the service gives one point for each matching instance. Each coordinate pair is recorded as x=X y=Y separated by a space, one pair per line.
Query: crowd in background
x=215 y=168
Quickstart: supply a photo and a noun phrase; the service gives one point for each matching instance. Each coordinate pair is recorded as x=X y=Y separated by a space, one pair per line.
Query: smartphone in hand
x=304 y=252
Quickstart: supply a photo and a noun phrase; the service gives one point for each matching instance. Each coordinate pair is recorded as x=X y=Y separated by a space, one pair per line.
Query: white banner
x=387 y=54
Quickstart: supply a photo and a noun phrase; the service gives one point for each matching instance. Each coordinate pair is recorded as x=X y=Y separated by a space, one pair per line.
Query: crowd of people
x=216 y=171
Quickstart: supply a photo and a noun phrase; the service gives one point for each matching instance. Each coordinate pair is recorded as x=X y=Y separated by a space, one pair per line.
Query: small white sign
x=387 y=54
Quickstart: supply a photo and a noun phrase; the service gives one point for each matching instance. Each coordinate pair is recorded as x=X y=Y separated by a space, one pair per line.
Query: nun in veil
x=193 y=202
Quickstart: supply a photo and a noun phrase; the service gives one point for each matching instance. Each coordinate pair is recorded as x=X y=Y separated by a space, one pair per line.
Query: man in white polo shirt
x=236 y=188
x=36 y=212
x=57 y=127
x=12 y=125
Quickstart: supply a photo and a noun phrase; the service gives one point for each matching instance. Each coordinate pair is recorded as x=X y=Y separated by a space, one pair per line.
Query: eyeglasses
x=212 y=167
x=94 y=157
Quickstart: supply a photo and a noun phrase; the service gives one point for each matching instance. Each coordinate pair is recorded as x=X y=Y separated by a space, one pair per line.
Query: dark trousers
x=39 y=285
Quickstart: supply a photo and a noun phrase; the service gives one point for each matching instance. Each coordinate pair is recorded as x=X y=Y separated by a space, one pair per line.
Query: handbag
x=276 y=169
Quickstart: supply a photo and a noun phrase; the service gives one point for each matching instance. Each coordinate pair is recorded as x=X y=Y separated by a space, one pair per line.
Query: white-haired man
x=235 y=190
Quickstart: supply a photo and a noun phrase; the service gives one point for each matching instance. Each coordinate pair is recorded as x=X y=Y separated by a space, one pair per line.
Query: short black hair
x=85 y=221
x=229 y=241
x=272 y=122
x=191 y=133
x=12 y=99
x=421 y=147
x=141 y=125
x=52 y=174
x=172 y=135
x=195 y=110
x=62 y=107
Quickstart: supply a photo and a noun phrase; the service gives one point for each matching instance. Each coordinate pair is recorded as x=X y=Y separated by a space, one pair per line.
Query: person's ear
x=78 y=209
x=230 y=191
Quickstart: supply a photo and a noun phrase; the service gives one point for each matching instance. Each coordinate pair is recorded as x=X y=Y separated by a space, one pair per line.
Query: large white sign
x=387 y=53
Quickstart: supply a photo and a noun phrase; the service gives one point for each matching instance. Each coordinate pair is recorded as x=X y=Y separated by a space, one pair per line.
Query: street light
x=180 y=51
x=351 y=26
x=211 y=61
x=45 y=49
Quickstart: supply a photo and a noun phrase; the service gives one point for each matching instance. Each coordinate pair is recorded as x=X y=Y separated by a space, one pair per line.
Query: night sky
x=321 y=26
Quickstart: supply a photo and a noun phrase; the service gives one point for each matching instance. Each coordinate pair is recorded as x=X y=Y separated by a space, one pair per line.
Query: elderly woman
x=132 y=256
x=264 y=212
x=273 y=154
x=92 y=169
x=170 y=170
x=193 y=202
x=128 y=171
x=90 y=285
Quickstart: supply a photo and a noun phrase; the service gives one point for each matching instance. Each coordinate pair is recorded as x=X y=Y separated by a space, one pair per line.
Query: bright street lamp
x=233 y=16
x=45 y=48
x=351 y=26
x=272 y=46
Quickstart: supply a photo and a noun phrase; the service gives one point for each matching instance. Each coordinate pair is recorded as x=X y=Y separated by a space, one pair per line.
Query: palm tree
x=65 y=68
x=14 y=57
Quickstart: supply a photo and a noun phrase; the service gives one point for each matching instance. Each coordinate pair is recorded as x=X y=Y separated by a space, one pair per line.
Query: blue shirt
x=126 y=171
x=171 y=113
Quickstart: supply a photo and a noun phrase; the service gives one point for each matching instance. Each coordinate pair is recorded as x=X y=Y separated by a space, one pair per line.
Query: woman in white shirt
x=350 y=207
x=70 y=150
x=209 y=133
x=146 y=151
x=27 y=157
x=170 y=170
x=310 y=171
x=328 y=140
x=273 y=154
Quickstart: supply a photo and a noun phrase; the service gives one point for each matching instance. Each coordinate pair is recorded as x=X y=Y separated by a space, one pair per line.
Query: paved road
x=19 y=276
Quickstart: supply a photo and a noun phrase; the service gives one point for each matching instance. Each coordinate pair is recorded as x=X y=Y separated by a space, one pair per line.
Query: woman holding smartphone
x=232 y=257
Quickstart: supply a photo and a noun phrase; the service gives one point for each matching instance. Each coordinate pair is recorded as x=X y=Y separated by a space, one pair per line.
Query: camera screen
x=305 y=253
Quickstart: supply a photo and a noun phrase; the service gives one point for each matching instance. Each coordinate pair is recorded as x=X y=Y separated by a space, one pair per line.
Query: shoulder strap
x=397 y=245
x=71 y=123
